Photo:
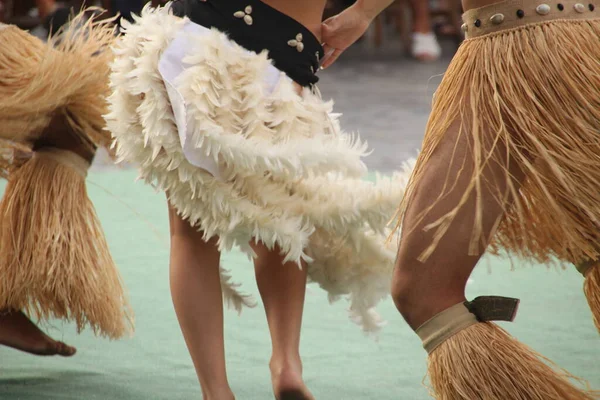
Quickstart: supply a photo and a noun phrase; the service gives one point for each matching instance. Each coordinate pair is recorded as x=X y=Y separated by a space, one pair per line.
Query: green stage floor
x=340 y=363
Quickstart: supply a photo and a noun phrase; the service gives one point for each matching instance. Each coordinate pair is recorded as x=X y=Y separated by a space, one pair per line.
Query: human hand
x=341 y=31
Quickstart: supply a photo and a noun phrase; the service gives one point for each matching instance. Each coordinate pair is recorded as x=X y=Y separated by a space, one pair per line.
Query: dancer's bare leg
x=19 y=332
x=425 y=45
x=16 y=330
x=422 y=290
x=422 y=19
x=198 y=301
x=282 y=288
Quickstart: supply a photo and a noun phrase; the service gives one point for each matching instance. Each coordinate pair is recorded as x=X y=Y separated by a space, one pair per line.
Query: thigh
x=183 y=230
x=266 y=257
x=447 y=194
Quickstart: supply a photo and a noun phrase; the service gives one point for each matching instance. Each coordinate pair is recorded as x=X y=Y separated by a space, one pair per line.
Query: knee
x=60 y=134
x=419 y=293
x=419 y=297
x=403 y=294
x=417 y=300
x=409 y=285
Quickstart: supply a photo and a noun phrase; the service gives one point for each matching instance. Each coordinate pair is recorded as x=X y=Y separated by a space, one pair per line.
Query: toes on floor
x=292 y=395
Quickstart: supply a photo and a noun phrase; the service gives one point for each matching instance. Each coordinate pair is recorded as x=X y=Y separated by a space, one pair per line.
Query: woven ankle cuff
x=66 y=158
x=444 y=325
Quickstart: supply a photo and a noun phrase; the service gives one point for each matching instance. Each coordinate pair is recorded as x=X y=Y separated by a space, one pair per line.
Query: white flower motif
x=297 y=43
x=245 y=15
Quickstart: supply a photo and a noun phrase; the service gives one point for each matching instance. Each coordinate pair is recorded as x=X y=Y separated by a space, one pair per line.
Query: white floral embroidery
x=297 y=43
x=245 y=15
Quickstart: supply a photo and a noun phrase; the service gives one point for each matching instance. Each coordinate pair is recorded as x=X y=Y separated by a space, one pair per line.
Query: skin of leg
x=282 y=287
x=59 y=134
x=16 y=330
x=423 y=289
x=421 y=17
x=198 y=301
x=422 y=24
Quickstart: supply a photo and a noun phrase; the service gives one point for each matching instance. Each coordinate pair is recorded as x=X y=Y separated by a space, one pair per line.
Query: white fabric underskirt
x=171 y=65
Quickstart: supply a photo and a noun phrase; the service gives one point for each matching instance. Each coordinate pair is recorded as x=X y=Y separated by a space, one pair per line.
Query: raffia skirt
x=526 y=80
x=54 y=258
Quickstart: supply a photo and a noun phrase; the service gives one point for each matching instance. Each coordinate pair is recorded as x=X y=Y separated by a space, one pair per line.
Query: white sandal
x=425 y=46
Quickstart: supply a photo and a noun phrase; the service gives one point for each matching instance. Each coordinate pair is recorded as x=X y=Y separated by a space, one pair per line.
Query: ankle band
x=445 y=325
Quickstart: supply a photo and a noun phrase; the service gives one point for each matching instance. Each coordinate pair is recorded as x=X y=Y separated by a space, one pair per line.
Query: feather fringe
x=292 y=178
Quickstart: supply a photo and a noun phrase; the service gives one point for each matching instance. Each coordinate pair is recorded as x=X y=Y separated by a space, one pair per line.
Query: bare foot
x=18 y=332
x=287 y=382
x=293 y=395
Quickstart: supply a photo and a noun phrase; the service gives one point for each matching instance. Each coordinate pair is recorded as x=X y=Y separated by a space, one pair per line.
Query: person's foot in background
x=425 y=46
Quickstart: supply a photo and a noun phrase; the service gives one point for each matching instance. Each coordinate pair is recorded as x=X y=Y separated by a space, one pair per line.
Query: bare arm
x=372 y=8
x=341 y=31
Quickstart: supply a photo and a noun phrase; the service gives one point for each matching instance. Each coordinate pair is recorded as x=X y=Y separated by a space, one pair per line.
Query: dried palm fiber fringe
x=484 y=362
x=479 y=360
x=534 y=90
x=68 y=74
x=12 y=155
x=290 y=176
x=54 y=259
x=553 y=107
x=591 y=288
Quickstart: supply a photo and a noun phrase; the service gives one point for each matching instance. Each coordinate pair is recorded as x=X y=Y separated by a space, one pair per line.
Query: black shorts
x=256 y=26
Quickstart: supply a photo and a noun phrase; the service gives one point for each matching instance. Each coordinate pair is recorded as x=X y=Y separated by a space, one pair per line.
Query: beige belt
x=515 y=13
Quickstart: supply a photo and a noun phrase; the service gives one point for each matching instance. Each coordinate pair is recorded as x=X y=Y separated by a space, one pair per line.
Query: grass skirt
x=68 y=75
x=54 y=259
x=535 y=90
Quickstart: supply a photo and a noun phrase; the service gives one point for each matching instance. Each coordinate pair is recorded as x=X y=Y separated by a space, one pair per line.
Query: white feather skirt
x=243 y=156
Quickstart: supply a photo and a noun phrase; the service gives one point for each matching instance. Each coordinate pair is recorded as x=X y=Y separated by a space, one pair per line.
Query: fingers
x=327 y=52
x=332 y=58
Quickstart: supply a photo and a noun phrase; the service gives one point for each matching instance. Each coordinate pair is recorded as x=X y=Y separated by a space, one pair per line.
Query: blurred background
x=383 y=86
x=417 y=25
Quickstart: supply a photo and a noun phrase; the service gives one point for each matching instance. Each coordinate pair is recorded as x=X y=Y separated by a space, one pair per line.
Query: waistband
x=515 y=13
x=257 y=26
